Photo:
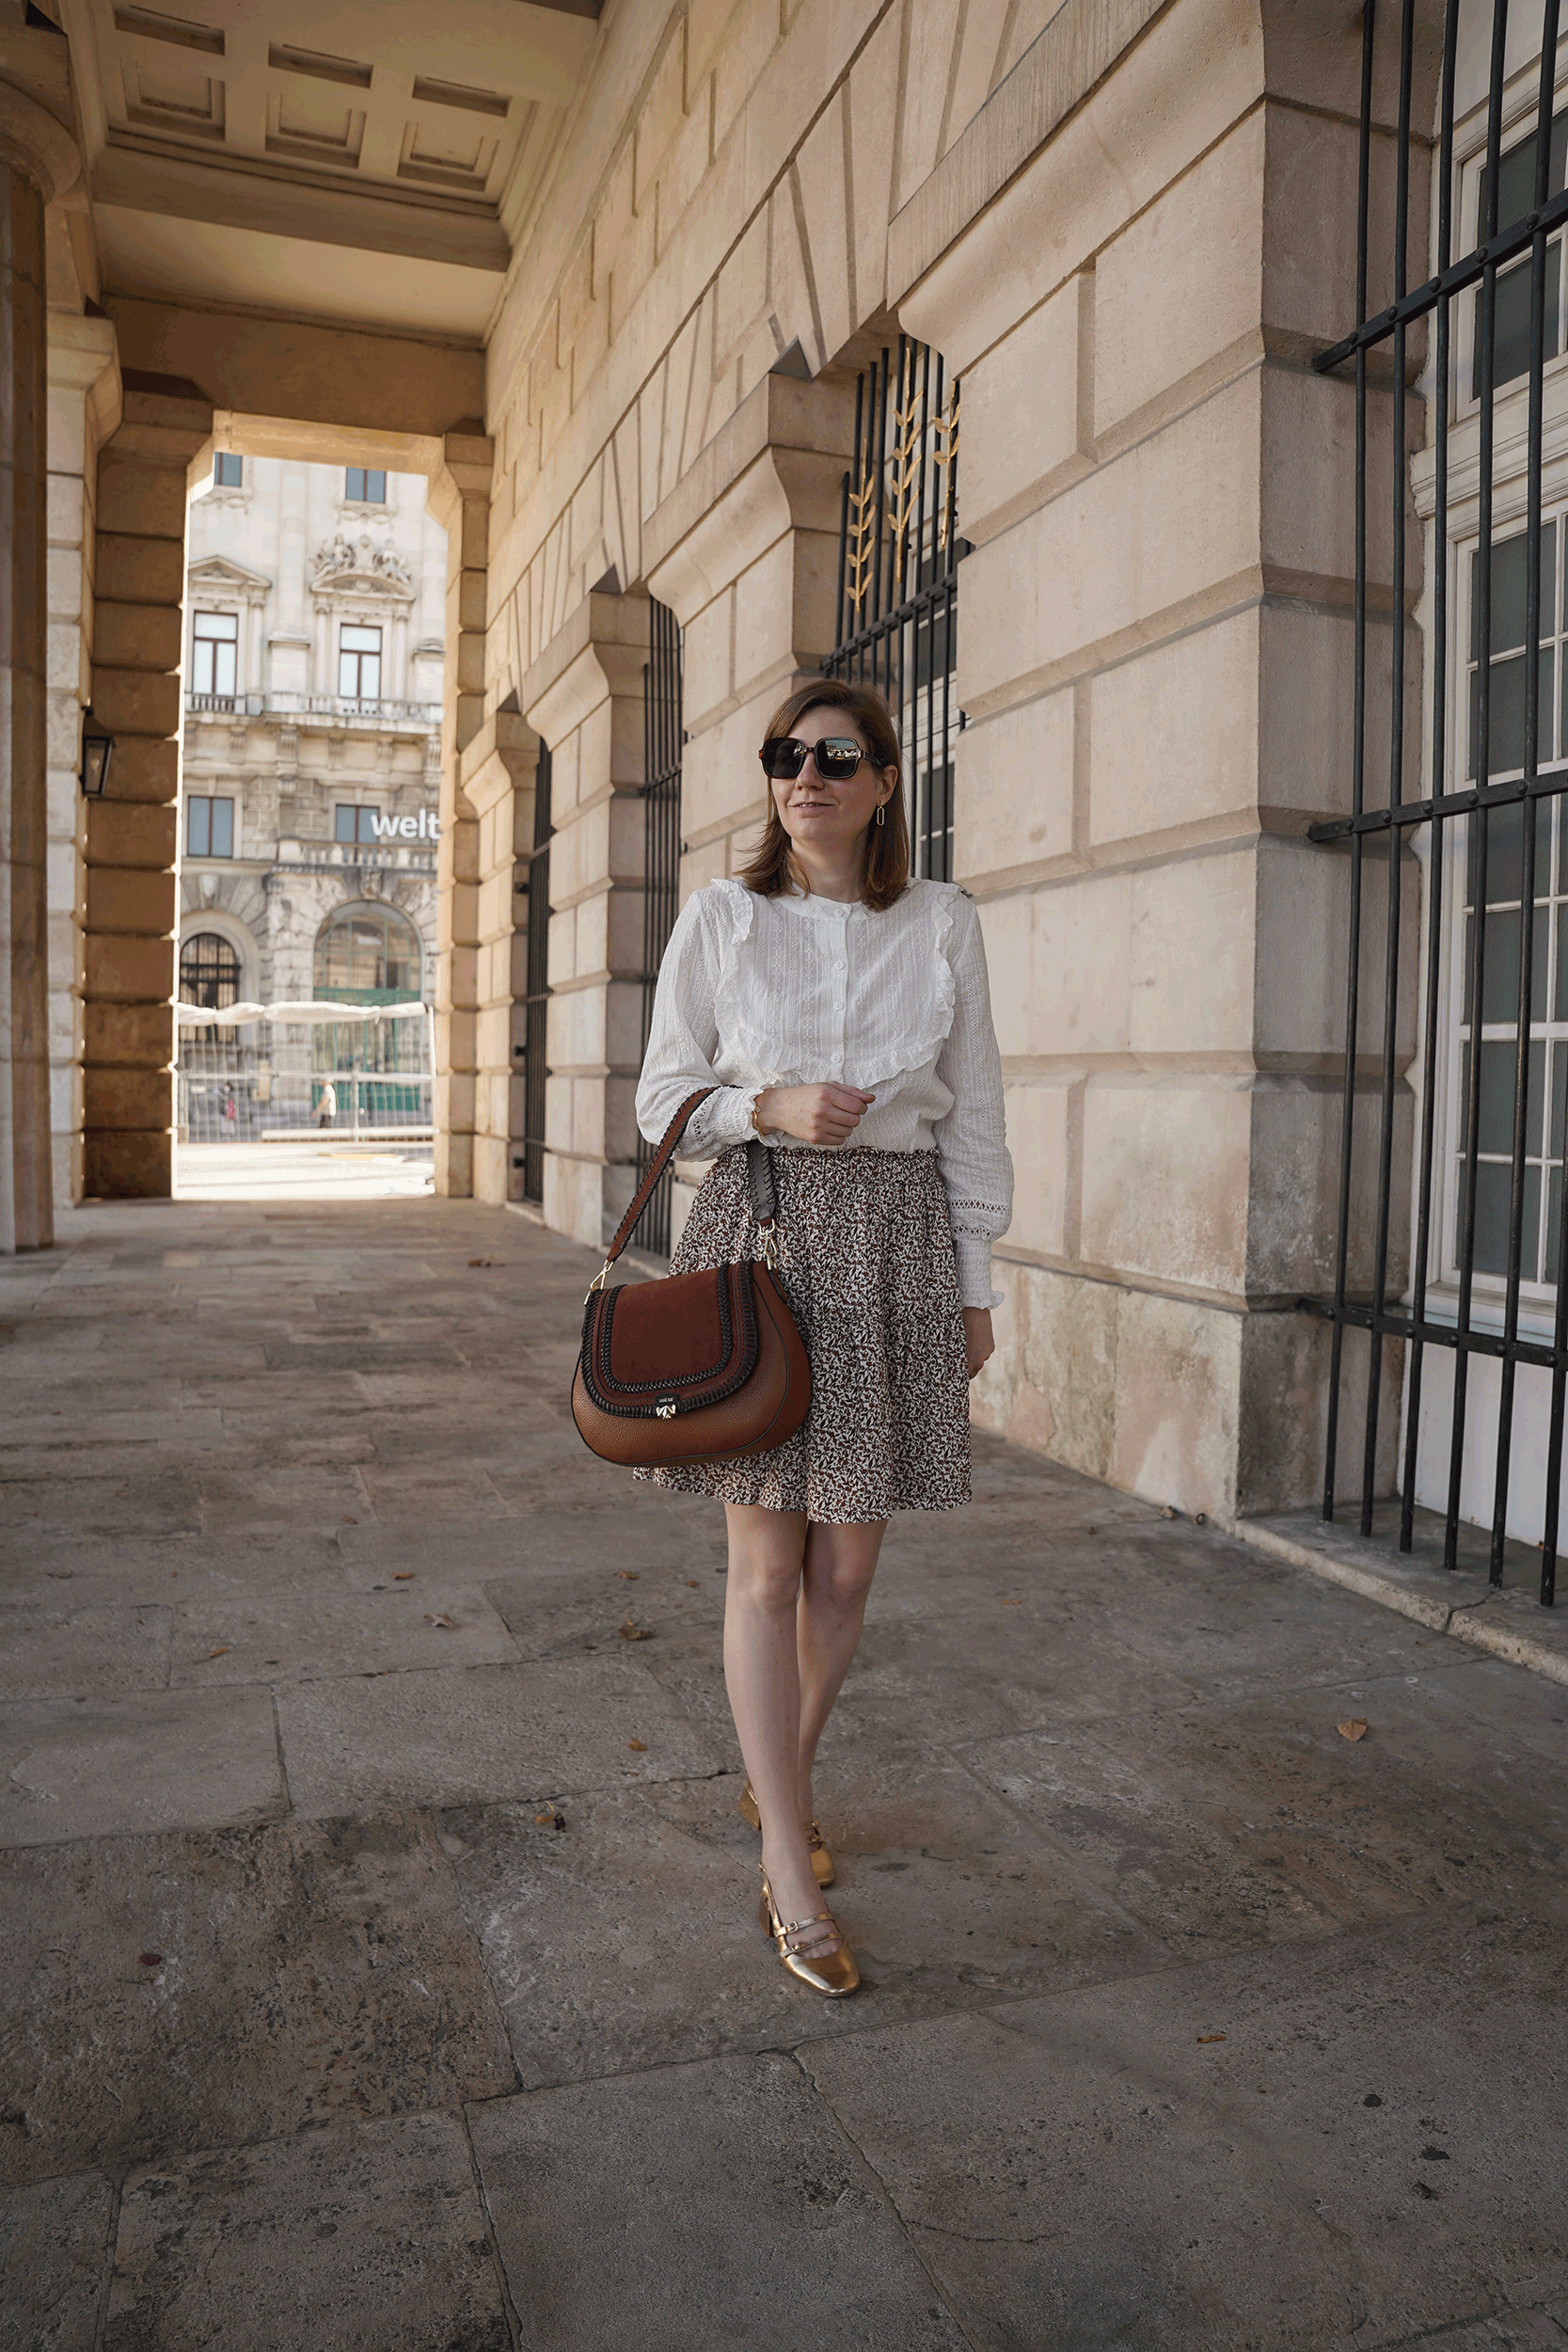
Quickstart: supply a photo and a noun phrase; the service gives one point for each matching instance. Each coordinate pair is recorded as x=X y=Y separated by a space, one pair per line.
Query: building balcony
x=334 y=709
x=311 y=853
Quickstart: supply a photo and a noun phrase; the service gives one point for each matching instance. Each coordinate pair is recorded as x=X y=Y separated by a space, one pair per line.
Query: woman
x=842 y=1011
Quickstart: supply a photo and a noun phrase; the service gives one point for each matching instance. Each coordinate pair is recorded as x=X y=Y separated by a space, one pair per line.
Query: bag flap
x=691 y=1339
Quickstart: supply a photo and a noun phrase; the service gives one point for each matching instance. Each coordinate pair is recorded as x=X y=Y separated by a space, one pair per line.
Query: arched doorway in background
x=209 y=971
x=370 y=953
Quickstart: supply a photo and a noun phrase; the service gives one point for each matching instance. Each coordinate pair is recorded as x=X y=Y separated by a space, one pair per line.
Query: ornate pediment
x=363 y=563
x=219 y=575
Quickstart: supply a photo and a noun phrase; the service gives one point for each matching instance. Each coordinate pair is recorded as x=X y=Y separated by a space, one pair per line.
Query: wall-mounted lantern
x=97 y=750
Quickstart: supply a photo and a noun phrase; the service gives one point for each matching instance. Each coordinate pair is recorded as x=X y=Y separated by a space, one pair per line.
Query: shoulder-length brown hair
x=772 y=869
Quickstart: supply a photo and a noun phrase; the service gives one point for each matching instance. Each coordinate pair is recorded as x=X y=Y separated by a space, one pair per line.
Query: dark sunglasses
x=839 y=757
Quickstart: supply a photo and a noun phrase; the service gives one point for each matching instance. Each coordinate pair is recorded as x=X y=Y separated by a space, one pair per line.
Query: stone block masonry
x=145 y=474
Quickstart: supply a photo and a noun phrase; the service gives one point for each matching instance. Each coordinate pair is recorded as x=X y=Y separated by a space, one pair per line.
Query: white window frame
x=217 y=646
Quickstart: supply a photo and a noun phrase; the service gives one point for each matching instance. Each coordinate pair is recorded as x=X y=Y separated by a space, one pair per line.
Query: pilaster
x=38 y=162
x=460 y=500
x=584 y=698
x=85 y=398
x=745 y=552
x=496 y=773
x=145 y=472
x=1158 y=491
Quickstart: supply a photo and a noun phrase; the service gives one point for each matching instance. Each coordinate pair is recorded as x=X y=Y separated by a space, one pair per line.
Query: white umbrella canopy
x=192 y=1016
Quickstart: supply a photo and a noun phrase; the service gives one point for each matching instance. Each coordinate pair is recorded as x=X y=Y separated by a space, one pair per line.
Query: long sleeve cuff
x=973 y=1251
x=721 y=1122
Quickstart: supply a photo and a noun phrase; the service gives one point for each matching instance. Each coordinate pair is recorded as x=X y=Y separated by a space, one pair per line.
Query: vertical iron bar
x=1486 y=310
x=1438 y=783
x=1529 y=810
x=1396 y=792
x=877 y=607
x=1358 y=754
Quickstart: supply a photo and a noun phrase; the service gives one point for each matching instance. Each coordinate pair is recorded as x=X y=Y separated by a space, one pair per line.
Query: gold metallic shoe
x=828 y=1966
x=821 y=1860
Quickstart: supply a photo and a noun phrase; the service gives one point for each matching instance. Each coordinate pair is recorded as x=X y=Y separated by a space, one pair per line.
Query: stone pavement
x=383 y=1959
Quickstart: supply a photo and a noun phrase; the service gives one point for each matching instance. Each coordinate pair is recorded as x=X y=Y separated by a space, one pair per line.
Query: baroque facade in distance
x=313 y=683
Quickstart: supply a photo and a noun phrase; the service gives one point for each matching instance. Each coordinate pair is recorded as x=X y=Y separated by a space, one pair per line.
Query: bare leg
x=840 y=1562
x=767 y=1549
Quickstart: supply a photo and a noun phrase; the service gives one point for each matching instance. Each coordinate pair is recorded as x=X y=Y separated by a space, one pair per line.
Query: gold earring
x=881 y=812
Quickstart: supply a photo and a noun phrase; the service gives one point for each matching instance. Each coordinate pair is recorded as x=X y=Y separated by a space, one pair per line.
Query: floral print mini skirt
x=866 y=1262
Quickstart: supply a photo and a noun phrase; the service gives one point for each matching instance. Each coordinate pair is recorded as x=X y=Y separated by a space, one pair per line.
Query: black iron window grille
x=898 y=556
x=209 y=973
x=537 y=1002
x=1484 y=1325
x=663 y=741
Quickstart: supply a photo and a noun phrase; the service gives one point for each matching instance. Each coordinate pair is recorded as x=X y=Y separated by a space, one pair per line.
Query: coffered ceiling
x=363 y=160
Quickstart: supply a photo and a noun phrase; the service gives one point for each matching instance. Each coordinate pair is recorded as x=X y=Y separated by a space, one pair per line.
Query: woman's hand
x=979 y=1339
x=822 y=1115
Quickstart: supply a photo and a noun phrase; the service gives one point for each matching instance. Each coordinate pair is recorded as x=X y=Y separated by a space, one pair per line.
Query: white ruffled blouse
x=805 y=991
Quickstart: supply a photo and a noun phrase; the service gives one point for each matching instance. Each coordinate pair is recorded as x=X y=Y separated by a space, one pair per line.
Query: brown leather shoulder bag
x=699 y=1367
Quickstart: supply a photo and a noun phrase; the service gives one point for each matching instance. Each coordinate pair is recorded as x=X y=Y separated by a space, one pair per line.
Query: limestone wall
x=1127 y=231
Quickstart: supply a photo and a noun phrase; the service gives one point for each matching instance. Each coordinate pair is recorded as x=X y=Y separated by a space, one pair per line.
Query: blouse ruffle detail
x=804 y=990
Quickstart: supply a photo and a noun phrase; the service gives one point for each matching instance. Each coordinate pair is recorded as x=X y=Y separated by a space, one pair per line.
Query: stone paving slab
x=584 y=1929
x=54 y=2262
x=166 y=1994
x=119 y=1767
x=1085 y=1765
x=44 y=1569
x=369 y=2238
x=722 y=2207
x=83 y=1653
x=454 y=1734
x=305 y=1637
x=1322 y=2152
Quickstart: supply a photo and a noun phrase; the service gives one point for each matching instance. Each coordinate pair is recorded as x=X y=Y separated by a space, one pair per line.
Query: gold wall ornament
x=860 y=545
x=944 y=458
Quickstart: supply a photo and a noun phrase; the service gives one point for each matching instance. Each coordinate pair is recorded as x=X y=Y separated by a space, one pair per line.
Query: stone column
x=497 y=775
x=83 y=409
x=1154 y=653
x=460 y=502
x=745 y=552
x=144 y=477
x=584 y=698
x=38 y=162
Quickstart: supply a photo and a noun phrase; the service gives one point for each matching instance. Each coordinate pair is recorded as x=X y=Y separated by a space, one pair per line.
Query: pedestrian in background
x=328 y=1108
x=842 y=1014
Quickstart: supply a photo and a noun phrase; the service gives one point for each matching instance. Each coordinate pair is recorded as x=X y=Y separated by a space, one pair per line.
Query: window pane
x=348 y=673
x=228 y=472
x=1506 y=718
x=1501 y=1001
x=1511 y=320
x=1553 y=1222
x=1493 y=1191
x=367 y=824
x=217 y=624
x=353 y=483
x=360 y=639
x=343 y=828
x=201 y=667
x=224 y=672
x=376 y=488
x=1505 y=835
x=198 y=827
x=223 y=828
x=1498 y=1063
x=369 y=676
x=1507 y=619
